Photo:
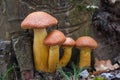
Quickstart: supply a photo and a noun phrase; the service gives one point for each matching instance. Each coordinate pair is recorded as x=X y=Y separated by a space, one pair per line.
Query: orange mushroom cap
x=86 y=41
x=38 y=19
x=55 y=38
x=69 y=42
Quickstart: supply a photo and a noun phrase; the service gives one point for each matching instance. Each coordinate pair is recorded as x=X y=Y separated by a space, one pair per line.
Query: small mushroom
x=54 y=39
x=39 y=21
x=67 y=46
x=85 y=44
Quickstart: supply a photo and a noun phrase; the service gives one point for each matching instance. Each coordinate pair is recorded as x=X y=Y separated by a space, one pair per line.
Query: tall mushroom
x=54 y=39
x=85 y=44
x=67 y=46
x=39 y=21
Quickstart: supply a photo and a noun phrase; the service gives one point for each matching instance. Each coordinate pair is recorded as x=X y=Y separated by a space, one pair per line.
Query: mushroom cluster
x=39 y=21
x=46 y=46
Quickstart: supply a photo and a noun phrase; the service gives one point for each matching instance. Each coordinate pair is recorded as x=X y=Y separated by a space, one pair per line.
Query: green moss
x=98 y=78
x=6 y=73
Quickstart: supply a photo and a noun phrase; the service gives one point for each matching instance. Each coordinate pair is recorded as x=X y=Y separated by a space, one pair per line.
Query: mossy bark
x=22 y=47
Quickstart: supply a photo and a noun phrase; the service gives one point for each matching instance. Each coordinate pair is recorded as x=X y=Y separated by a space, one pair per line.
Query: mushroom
x=38 y=21
x=85 y=44
x=67 y=46
x=54 y=39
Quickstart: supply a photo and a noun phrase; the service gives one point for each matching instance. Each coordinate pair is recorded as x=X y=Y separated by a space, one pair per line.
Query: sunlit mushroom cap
x=54 y=38
x=86 y=41
x=69 y=42
x=38 y=20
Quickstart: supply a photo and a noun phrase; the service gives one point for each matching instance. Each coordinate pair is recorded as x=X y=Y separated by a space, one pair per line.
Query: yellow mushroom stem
x=66 y=56
x=85 y=57
x=40 y=50
x=53 y=59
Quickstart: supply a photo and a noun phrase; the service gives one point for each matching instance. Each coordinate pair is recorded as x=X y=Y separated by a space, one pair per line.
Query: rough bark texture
x=106 y=21
x=4 y=55
x=22 y=46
